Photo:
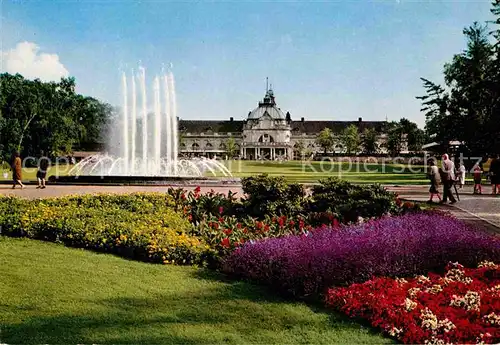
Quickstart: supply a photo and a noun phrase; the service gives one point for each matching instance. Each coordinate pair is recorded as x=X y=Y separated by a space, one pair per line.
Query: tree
x=369 y=141
x=350 y=139
x=300 y=147
x=325 y=140
x=395 y=139
x=231 y=147
x=36 y=116
x=469 y=110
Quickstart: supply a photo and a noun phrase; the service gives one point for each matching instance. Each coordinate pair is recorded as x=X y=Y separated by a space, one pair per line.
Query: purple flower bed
x=396 y=246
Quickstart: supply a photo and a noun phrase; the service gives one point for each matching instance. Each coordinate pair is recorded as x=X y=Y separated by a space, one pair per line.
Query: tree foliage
x=231 y=148
x=467 y=108
x=49 y=116
x=325 y=140
x=370 y=142
x=300 y=148
x=350 y=139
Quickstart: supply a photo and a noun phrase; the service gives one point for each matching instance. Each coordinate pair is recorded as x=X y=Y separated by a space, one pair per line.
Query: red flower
x=245 y=231
x=301 y=224
x=183 y=196
x=190 y=218
x=216 y=225
x=266 y=228
x=225 y=243
x=221 y=220
x=408 y=204
x=292 y=223
x=197 y=192
x=335 y=223
x=281 y=221
x=238 y=225
x=258 y=225
x=221 y=209
x=228 y=232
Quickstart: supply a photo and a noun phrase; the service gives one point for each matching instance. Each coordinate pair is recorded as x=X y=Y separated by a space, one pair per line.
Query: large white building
x=266 y=133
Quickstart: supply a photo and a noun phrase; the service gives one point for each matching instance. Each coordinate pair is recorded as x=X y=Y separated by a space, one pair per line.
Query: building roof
x=267 y=106
x=207 y=126
x=335 y=126
x=310 y=127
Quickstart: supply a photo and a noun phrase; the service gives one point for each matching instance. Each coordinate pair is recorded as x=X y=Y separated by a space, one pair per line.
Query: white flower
x=488 y=264
x=409 y=304
x=492 y=318
x=434 y=289
x=394 y=332
x=429 y=320
x=471 y=301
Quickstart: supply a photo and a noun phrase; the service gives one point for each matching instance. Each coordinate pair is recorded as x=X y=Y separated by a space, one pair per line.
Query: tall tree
x=468 y=111
x=300 y=148
x=325 y=140
x=395 y=138
x=231 y=147
x=350 y=139
x=38 y=116
x=370 y=141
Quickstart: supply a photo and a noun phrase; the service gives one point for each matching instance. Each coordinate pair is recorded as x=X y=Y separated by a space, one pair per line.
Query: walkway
x=482 y=210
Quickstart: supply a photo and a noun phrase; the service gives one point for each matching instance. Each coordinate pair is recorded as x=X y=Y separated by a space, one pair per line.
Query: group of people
x=17 y=170
x=448 y=176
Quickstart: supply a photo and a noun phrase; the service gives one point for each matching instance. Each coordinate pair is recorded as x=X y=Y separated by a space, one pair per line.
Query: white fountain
x=154 y=151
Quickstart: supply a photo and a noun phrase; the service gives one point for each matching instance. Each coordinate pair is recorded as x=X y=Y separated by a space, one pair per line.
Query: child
x=435 y=177
x=477 y=179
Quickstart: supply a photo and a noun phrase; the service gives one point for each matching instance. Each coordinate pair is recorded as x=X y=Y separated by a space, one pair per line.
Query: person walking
x=478 y=174
x=43 y=166
x=449 y=179
x=495 y=174
x=435 y=178
x=17 y=170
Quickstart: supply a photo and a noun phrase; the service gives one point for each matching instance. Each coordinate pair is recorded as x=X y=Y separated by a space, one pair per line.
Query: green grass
x=311 y=172
x=296 y=171
x=53 y=294
x=29 y=174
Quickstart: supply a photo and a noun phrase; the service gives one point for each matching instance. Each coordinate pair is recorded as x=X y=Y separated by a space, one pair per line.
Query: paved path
x=483 y=209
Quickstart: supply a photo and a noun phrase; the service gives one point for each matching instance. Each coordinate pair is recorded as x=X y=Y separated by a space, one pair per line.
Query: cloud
x=27 y=60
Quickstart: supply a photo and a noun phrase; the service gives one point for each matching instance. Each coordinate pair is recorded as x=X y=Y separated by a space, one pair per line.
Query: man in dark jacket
x=495 y=174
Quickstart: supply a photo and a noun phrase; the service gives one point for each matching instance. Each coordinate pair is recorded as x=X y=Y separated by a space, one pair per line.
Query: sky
x=326 y=60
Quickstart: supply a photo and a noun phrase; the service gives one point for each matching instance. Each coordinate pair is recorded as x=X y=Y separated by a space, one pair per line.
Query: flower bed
x=138 y=226
x=462 y=306
x=310 y=263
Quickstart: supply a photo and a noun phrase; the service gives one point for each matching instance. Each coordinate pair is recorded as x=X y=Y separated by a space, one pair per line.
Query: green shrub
x=138 y=226
x=272 y=196
x=349 y=201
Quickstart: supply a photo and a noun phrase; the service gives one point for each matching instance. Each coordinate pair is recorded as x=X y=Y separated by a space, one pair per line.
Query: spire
x=267 y=84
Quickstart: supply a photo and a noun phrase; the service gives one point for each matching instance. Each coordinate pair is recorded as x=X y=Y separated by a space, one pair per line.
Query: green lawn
x=310 y=172
x=53 y=294
x=296 y=171
x=29 y=174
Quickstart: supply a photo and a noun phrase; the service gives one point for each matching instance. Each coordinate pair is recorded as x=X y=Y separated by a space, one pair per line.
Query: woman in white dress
x=461 y=174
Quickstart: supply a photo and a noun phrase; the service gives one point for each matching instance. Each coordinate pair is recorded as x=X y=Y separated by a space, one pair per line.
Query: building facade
x=266 y=133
